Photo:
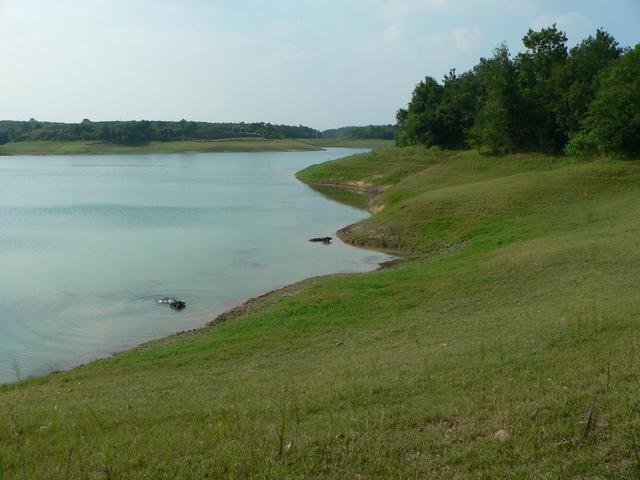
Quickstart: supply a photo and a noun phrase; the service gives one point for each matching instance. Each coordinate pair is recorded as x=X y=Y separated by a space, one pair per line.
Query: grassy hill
x=505 y=346
x=82 y=147
x=349 y=142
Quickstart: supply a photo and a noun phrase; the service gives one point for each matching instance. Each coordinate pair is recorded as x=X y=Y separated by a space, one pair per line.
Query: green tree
x=402 y=116
x=585 y=62
x=612 y=125
x=422 y=124
x=458 y=108
x=541 y=79
x=496 y=121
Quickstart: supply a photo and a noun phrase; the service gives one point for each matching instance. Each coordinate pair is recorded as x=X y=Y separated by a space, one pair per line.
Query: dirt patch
x=359 y=186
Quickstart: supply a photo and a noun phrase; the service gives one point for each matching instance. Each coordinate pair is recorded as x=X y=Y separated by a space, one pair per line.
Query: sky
x=321 y=63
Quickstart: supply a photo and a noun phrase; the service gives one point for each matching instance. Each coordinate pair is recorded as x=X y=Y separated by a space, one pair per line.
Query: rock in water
x=321 y=239
x=173 y=303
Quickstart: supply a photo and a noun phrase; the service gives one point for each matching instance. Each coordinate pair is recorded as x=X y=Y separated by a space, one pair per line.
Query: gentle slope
x=517 y=310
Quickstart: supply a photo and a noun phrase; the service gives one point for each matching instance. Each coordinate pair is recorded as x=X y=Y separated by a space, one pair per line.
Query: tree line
x=381 y=132
x=141 y=132
x=583 y=101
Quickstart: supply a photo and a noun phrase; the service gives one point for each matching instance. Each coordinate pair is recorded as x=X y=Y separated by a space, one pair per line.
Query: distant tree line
x=141 y=132
x=382 y=132
x=582 y=100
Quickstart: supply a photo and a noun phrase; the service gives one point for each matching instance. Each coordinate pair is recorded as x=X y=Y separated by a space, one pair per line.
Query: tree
x=585 y=62
x=539 y=100
x=422 y=124
x=402 y=116
x=87 y=131
x=495 y=125
x=540 y=82
x=612 y=125
x=458 y=107
x=146 y=131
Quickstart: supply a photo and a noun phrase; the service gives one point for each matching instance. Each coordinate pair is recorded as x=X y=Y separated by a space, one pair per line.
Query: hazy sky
x=322 y=63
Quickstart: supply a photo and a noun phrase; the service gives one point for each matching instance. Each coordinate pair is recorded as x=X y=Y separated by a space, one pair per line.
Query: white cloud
x=465 y=39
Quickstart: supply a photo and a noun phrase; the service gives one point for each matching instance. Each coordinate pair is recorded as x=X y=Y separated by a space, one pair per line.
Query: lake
x=89 y=243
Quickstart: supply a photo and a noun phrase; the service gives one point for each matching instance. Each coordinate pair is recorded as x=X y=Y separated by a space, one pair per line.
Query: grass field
x=349 y=142
x=506 y=346
x=97 y=148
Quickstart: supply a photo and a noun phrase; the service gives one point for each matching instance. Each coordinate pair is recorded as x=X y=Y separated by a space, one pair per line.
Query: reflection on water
x=354 y=198
x=87 y=244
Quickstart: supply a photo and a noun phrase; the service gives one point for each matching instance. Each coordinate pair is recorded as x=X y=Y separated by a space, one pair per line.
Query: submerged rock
x=173 y=303
x=321 y=239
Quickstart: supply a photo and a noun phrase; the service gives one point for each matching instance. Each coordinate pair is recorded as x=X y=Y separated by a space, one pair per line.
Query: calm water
x=87 y=244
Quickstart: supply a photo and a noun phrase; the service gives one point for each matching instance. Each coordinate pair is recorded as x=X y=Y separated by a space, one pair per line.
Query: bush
x=580 y=146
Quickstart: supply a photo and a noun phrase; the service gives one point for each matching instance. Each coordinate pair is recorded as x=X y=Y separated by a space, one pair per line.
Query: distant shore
x=182 y=146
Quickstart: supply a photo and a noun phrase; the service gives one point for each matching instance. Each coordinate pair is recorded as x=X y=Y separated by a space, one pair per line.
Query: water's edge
x=244 y=306
x=257 y=303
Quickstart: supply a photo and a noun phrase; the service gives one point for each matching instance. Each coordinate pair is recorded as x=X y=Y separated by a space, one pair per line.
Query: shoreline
x=243 y=307
x=260 y=301
x=270 y=297
x=232 y=145
x=360 y=187
x=247 y=306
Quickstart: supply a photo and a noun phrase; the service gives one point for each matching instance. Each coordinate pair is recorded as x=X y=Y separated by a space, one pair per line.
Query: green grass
x=379 y=168
x=349 y=142
x=97 y=148
x=518 y=310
